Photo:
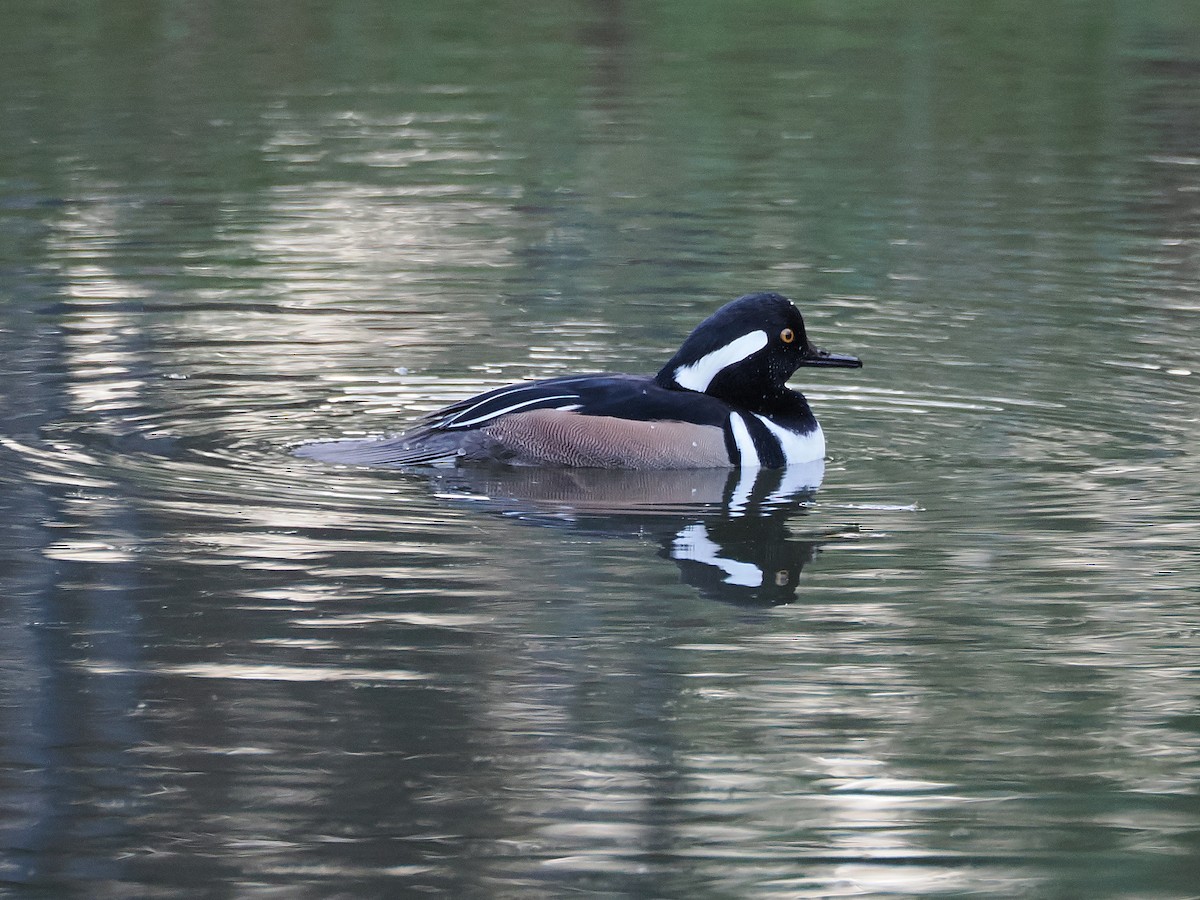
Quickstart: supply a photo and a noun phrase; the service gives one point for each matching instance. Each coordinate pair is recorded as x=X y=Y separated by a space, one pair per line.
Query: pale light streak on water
x=965 y=665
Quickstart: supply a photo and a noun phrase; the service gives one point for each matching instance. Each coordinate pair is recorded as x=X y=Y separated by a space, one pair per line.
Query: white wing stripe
x=493 y=396
x=488 y=398
x=457 y=422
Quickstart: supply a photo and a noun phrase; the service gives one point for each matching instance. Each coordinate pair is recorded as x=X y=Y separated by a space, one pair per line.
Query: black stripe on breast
x=770 y=453
x=766 y=445
x=731 y=447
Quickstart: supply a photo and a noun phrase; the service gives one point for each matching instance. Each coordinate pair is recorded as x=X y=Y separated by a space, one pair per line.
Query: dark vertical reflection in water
x=965 y=665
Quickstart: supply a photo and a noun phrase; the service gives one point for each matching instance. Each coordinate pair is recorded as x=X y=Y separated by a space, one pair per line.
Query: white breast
x=797 y=448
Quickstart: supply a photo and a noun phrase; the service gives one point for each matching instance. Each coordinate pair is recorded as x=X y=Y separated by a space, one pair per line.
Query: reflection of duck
x=748 y=562
x=575 y=494
x=722 y=400
x=728 y=531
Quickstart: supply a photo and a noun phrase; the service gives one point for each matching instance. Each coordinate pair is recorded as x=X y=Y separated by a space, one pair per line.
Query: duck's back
x=593 y=421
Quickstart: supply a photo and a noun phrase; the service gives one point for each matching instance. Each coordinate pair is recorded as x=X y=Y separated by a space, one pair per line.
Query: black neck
x=785 y=406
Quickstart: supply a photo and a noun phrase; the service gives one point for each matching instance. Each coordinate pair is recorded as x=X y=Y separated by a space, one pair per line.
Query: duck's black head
x=746 y=351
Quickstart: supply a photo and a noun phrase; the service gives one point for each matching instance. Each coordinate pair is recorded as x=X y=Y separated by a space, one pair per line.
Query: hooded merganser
x=721 y=401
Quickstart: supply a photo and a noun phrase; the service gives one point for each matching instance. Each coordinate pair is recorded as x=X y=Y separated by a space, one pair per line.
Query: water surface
x=966 y=664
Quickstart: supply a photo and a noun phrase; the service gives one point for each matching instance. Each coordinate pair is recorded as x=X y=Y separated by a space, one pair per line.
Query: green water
x=971 y=667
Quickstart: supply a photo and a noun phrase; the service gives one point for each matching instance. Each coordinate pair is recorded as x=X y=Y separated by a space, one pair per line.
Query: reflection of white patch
x=698 y=376
x=798 y=479
x=693 y=543
x=741 y=491
x=797 y=448
x=747 y=452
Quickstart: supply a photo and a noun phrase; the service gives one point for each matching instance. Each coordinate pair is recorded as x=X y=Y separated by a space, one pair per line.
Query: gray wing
x=422 y=447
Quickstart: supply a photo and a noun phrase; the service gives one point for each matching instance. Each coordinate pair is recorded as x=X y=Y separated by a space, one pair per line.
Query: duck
x=721 y=401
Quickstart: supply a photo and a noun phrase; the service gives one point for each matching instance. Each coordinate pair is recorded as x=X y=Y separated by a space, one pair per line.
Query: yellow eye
x=787 y=335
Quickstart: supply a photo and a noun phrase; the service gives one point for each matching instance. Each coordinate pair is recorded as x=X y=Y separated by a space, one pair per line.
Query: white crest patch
x=699 y=375
x=797 y=448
